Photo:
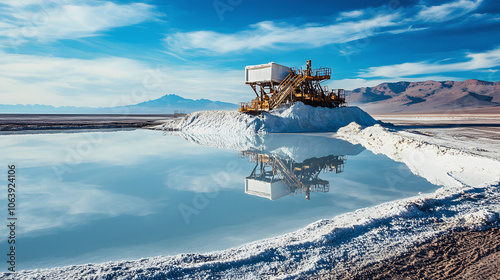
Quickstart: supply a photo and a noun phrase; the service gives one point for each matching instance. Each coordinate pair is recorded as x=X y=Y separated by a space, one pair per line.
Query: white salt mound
x=297 y=118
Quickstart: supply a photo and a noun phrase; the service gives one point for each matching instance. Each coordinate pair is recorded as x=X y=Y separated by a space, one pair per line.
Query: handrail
x=289 y=86
x=288 y=178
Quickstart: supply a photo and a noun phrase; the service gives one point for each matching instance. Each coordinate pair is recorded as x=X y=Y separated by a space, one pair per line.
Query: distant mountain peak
x=173 y=101
x=167 y=104
x=171 y=95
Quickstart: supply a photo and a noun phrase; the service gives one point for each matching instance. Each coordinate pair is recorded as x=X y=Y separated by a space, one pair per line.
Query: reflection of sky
x=119 y=196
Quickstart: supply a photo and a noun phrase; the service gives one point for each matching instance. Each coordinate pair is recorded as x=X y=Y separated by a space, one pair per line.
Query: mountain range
x=447 y=97
x=166 y=104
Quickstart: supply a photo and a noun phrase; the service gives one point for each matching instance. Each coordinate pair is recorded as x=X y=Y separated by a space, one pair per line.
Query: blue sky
x=108 y=53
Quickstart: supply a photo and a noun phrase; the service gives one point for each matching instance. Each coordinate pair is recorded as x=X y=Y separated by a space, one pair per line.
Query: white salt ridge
x=347 y=241
x=297 y=118
x=424 y=159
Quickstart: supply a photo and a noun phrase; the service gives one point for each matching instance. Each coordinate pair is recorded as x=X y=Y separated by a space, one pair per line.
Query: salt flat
x=23 y=122
x=479 y=134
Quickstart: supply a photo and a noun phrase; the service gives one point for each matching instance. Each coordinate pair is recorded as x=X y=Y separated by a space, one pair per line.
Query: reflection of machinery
x=274 y=177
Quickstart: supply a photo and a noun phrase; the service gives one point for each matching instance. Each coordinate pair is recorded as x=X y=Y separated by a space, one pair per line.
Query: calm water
x=113 y=195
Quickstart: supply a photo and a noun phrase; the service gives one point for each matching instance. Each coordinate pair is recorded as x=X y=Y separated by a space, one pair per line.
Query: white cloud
x=109 y=81
x=408 y=29
x=269 y=35
x=205 y=180
x=46 y=21
x=24 y=3
x=350 y=26
x=49 y=204
x=351 y=14
x=64 y=152
x=448 y=11
x=476 y=61
x=65 y=203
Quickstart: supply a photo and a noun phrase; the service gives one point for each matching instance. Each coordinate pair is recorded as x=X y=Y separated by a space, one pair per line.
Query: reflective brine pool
x=111 y=195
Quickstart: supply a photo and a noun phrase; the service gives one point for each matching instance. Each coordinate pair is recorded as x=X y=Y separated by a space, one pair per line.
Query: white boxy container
x=266 y=73
x=269 y=190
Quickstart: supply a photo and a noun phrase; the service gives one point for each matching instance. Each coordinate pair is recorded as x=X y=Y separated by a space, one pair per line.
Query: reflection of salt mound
x=297 y=146
x=297 y=118
x=237 y=142
x=302 y=147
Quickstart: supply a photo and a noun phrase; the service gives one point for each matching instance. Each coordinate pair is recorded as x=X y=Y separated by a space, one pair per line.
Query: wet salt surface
x=35 y=123
x=113 y=195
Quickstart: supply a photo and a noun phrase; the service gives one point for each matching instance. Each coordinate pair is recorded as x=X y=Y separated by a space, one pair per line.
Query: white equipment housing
x=266 y=73
x=269 y=190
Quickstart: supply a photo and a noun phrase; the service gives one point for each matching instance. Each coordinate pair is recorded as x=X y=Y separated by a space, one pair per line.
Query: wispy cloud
x=408 y=29
x=108 y=81
x=69 y=204
x=474 y=61
x=349 y=26
x=47 y=21
x=272 y=35
x=350 y=14
x=448 y=11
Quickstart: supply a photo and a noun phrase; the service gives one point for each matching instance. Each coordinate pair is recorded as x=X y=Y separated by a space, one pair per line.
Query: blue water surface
x=107 y=195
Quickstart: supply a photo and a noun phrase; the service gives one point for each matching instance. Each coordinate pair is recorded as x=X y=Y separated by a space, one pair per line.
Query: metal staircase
x=286 y=88
x=291 y=181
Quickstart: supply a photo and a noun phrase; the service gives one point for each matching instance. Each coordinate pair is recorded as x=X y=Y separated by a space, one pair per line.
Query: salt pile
x=297 y=118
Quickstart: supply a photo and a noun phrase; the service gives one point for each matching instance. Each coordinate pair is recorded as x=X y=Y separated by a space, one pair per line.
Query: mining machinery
x=276 y=85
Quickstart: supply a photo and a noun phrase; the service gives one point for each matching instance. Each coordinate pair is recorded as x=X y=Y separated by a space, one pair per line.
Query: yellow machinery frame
x=299 y=85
